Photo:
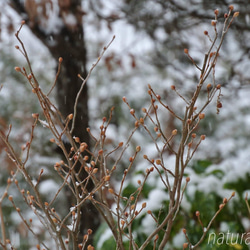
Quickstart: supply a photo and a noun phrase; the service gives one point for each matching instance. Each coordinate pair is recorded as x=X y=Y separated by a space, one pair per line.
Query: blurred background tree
x=150 y=38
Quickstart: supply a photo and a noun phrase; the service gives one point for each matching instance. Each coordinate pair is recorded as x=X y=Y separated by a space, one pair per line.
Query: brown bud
x=201 y=116
x=158 y=97
x=18 y=69
x=209 y=87
x=193 y=135
x=236 y=14
x=231 y=7
x=174 y=132
x=213 y=22
x=218 y=86
x=186 y=51
x=158 y=162
x=203 y=137
x=185 y=245
x=184 y=230
x=197 y=213
x=60 y=59
x=77 y=139
x=225 y=200
x=107 y=178
x=221 y=206
x=205 y=32
x=132 y=111
x=225 y=15
x=216 y=12
x=144 y=204
x=95 y=170
x=172 y=87
x=188 y=179
x=111 y=190
x=219 y=105
x=35 y=115
x=138 y=149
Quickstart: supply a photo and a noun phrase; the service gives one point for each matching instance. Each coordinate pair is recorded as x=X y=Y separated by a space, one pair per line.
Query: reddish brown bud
x=203 y=137
x=35 y=115
x=172 y=87
x=225 y=200
x=184 y=230
x=158 y=97
x=158 y=162
x=221 y=206
x=77 y=139
x=70 y=116
x=132 y=111
x=193 y=135
x=205 y=32
x=225 y=15
x=111 y=190
x=201 y=116
x=185 y=245
x=60 y=59
x=174 y=132
x=95 y=170
x=18 y=69
x=213 y=22
x=218 y=86
x=107 y=178
x=231 y=7
x=209 y=87
x=197 y=213
x=219 y=105
x=236 y=14
x=186 y=51
x=144 y=204
x=188 y=179
x=138 y=149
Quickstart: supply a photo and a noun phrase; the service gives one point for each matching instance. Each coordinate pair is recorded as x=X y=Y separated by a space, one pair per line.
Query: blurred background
x=150 y=36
